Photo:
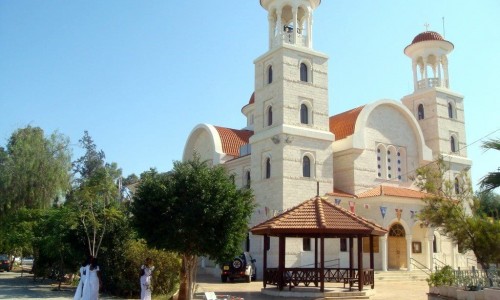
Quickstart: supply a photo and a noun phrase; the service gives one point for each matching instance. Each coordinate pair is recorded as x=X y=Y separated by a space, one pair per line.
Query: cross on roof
x=426 y=26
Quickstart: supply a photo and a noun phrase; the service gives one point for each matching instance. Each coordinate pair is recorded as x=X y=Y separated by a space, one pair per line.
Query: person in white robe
x=79 y=288
x=145 y=280
x=92 y=281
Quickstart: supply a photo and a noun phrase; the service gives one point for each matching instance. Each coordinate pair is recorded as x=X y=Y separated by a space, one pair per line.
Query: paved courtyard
x=13 y=286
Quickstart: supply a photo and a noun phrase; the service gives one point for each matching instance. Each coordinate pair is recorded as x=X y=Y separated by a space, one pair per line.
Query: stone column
x=408 y=251
x=415 y=76
x=426 y=75
x=295 y=25
x=383 y=251
x=430 y=239
x=445 y=71
x=272 y=29
x=309 y=29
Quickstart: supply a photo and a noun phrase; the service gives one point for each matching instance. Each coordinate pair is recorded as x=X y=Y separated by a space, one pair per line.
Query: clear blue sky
x=139 y=75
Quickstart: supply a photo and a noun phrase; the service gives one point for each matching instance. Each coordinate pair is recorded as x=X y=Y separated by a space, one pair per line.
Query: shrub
x=443 y=276
x=165 y=275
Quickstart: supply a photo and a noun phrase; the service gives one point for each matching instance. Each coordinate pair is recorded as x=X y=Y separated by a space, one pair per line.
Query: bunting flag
x=337 y=201
x=351 y=206
x=383 y=211
x=367 y=206
x=413 y=214
x=398 y=213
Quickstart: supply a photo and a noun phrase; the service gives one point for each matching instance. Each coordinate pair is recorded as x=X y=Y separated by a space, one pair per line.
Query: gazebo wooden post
x=264 y=262
x=360 y=263
x=372 y=265
x=322 y=269
x=281 y=262
x=351 y=257
x=316 y=261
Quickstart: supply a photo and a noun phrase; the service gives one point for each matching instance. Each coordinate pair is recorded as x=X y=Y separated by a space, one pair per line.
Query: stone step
x=401 y=276
x=346 y=298
x=345 y=295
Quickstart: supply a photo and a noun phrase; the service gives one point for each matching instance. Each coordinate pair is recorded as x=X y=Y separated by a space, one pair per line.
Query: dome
x=427 y=36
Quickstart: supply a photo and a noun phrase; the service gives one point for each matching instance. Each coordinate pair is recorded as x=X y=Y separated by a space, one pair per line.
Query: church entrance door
x=397 y=247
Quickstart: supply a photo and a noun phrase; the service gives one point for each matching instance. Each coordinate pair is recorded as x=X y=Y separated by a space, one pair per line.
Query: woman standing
x=92 y=281
x=146 y=274
x=79 y=289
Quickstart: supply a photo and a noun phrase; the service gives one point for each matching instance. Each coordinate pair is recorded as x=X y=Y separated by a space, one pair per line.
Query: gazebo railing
x=307 y=276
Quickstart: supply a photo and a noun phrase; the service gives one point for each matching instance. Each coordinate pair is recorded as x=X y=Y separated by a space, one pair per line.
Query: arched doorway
x=397 y=247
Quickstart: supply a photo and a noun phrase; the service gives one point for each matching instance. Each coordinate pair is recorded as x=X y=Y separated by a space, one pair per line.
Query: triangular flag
x=337 y=201
x=383 y=211
x=351 y=206
x=367 y=206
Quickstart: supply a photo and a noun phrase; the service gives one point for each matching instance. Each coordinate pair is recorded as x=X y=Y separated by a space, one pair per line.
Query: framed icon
x=416 y=247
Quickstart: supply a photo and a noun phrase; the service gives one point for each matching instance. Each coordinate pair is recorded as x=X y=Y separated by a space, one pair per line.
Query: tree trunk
x=186 y=280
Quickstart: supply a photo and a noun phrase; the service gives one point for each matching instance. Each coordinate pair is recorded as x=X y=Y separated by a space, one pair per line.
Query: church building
x=363 y=159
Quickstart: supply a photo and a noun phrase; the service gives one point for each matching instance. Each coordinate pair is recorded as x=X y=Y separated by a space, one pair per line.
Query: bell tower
x=438 y=109
x=291 y=149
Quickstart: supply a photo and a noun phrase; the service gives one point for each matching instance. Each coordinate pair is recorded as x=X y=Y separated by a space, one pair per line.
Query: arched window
x=270 y=116
x=247 y=179
x=434 y=245
x=457 y=186
x=421 y=114
x=306 y=166
x=304 y=114
x=268 y=167
x=270 y=74
x=391 y=162
x=453 y=144
x=401 y=164
x=381 y=162
x=303 y=72
x=397 y=230
x=451 y=115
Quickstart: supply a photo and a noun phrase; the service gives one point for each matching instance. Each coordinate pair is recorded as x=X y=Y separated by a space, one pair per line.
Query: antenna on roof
x=444 y=32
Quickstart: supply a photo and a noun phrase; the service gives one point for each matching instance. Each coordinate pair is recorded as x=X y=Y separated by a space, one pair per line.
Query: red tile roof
x=427 y=36
x=342 y=125
x=339 y=193
x=233 y=139
x=384 y=190
x=318 y=216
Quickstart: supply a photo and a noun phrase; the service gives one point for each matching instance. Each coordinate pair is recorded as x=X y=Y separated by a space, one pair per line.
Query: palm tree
x=491 y=180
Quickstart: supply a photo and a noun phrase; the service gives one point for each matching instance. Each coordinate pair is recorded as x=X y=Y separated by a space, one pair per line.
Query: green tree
x=194 y=210
x=34 y=169
x=58 y=249
x=492 y=180
x=488 y=204
x=91 y=161
x=452 y=209
x=95 y=193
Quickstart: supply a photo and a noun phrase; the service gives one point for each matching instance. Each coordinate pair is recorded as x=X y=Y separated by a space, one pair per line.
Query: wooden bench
x=351 y=281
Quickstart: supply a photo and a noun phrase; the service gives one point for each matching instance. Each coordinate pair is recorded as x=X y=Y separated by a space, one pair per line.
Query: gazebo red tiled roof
x=233 y=139
x=318 y=216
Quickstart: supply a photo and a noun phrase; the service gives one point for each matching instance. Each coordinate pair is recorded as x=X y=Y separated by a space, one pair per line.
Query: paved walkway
x=15 y=286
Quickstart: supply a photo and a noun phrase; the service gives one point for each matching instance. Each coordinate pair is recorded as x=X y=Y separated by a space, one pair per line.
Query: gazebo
x=319 y=219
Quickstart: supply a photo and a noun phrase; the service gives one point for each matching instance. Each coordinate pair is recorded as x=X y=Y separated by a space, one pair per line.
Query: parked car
x=5 y=263
x=26 y=261
x=242 y=266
